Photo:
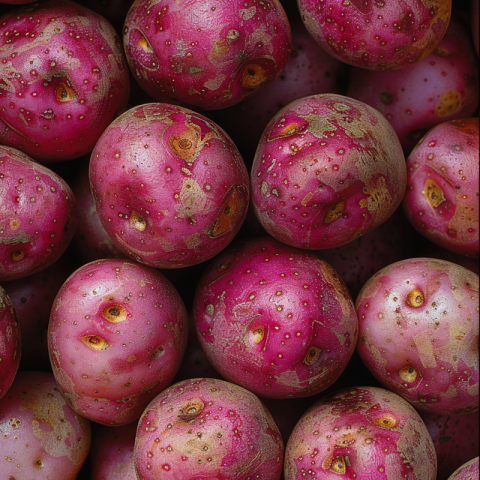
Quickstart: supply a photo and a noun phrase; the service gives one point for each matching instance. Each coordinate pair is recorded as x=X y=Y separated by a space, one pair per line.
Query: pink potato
x=418 y=333
x=275 y=319
x=441 y=200
x=468 y=471
x=63 y=78
x=10 y=343
x=205 y=429
x=377 y=35
x=363 y=433
x=38 y=215
x=116 y=337
x=327 y=170
x=207 y=53
x=170 y=187
x=443 y=86
x=41 y=437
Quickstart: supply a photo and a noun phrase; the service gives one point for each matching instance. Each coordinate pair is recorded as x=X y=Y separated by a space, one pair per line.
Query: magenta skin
x=441 y=200
x=275 y=319
x=377 y=35
x=63 y=78
x=205 y=429
x=455 y=439
x=123 y=342
x=468 y=471
x=111 y=453
x=38 y=215
x=443 y=86
x=10 y=343
x=210 y=54
x=40 y=435
x=170 y=187
x=327 y=169
x=360 y=433
x=418 y=333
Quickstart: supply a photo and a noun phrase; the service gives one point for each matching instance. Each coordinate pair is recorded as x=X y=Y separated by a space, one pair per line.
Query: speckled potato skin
x=418 y=333
x=10 y=343
x=210 y=54
x=327 y=169
x=62 y=80
x=38 y=215
x=275 y=319
x=170 y=187
x=441 y=200
x=360 y=433
x=443 y=86
x=116 y=337
x=207 y=429
x=41 y=437
x=468 y=471
x=377 y=35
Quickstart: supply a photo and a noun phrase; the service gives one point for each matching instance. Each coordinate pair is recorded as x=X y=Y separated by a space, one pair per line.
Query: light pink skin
x=117 y=334
x=274 y=319
x=170 y=187
x=327 y=170
x=210 y=54
x=40 y=432
x=111 y=454
x=455 y=439
x=441 y=200
x=62 y=81
x=377 y=35
x=205 y=429
x=468 y=471
x=441 y=87
x=418 y=333
x=309 y=71
x=10 y=343
x=360 y=433
x=38 y=215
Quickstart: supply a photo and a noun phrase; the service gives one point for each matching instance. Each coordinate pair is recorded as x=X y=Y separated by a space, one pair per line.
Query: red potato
x=377 y=35
x=441 y=200
x=468 y=471
x=207 y=53
x=63 y=78
x=418 y=333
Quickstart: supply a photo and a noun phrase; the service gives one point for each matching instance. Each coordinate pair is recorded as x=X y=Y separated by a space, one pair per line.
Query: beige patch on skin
x=448 y=103
x=464 y=219
x=450 y=393
x=319 y=126
x=215 y=83
x=392 y=466
x=425 y=350
x=379 y=201
x=247 y=13
x=193 y=240
x=193 y=199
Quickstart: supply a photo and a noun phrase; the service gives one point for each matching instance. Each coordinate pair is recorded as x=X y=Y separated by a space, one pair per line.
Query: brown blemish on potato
x=18 y=255
x=254 y=76
x=312 y=356
x=14 y=224
x=290 y=130
x=448 y=103
x=385 y=421
x=184 y=146
x=443 y=52
x=233 y=208
x=339 y=465
x=131 y=358
x=137 y=221
x=145 y=45
x=408 y=374
x=38 y=463
x=157 y=352
x=258 y=334
x=433 y=193
x=415 y=298
x=95 y=342
x=335 y=212
x=232 y=35
x=65 y=93
x=190 y=412
x=114 y=313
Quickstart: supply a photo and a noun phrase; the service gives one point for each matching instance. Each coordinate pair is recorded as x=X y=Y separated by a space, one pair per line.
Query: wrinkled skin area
x=441 y=200
x=441 y=87
x=206 y=429
x=327 y=169
x=210 y=54
x=62 y=79
x=418 y=333
x=468 y=471
x=374 y=34
x=273 y=319
x=34 y=414
x=38 y=215
x=10 y=343
x=360 y=432
x=117 y=334
x=170 y=187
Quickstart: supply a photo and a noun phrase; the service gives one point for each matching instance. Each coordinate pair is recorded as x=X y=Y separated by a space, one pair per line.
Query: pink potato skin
x=210 y=54
x=377 y=35
x=63 y=79
x=123 y=342
x=441 y=200
x=274 y=319
x=206 y=429
x=468 y=471
x=40 y=435
x=38 y=215
x=360 y=433
x=170 y=187
x=327 y=169
x=418 y=333
x=10 y=343
x=443 y=86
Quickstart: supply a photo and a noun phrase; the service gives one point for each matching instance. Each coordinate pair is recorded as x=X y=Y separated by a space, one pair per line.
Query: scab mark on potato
x=253 y=76
x=385 y=421
x=312 y=356
x=235 y=202
x=433 y=193
x=191 y=411
x=18 y=255
x=95 y=342
x=39 y=463
x=258 y=334
x=339 y=465
x=144 y=45
x=415 y=298
x=408 y=374
x=64 y=93
x=114 y=313
x=137 y=221
x=334 y=212
x=157 y=352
